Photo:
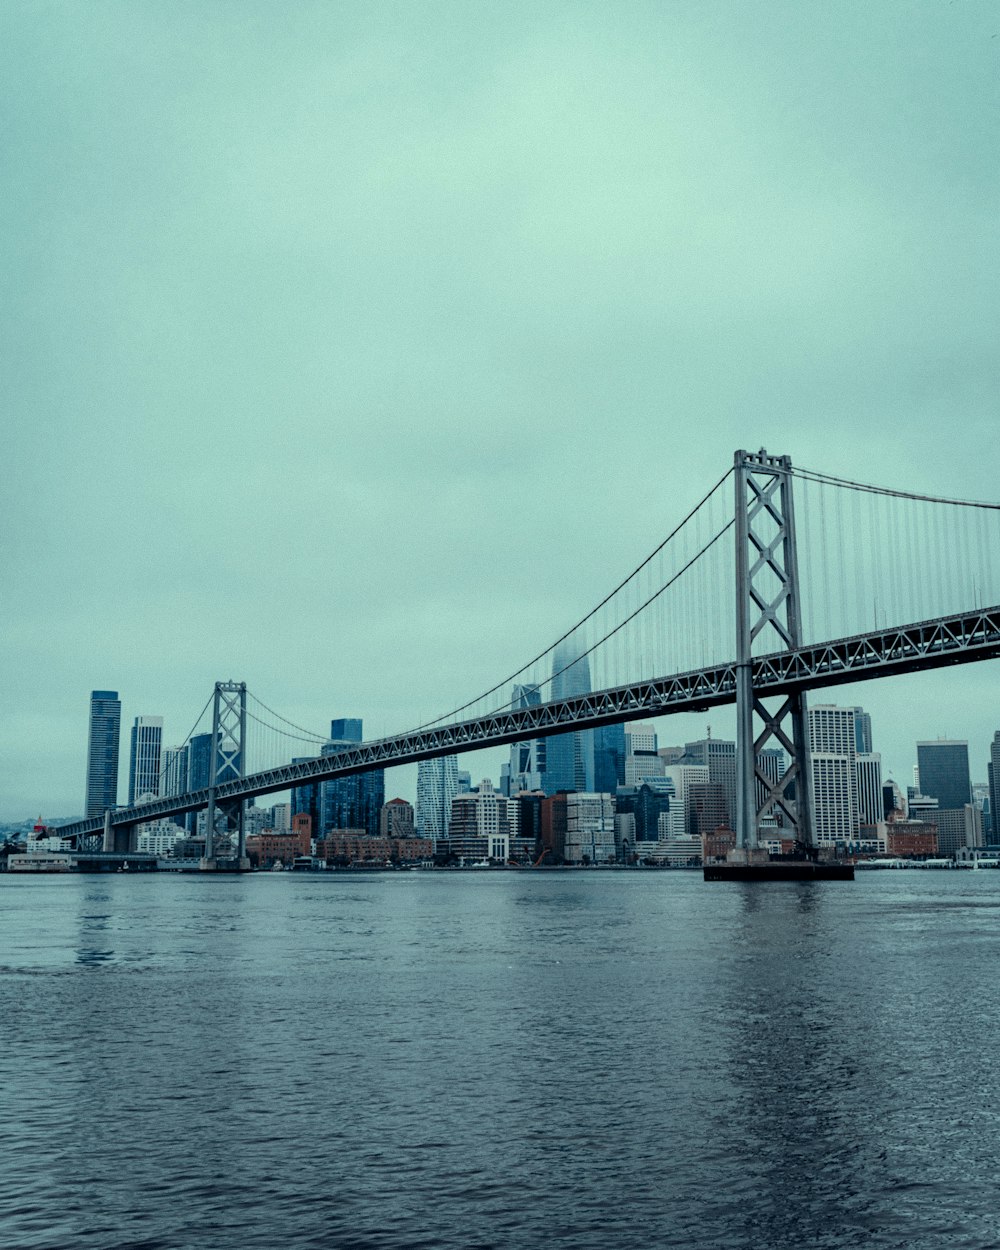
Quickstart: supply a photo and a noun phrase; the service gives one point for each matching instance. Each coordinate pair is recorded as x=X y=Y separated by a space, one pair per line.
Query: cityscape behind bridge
x=778 y=582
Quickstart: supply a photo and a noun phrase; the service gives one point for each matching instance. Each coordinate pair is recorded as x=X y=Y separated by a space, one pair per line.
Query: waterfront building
x=569 y=756
x=268 y=847
x=482 y=824
x=437 y=785
x=911 y=838
x=281 y=817
x=144 y=757
x=158 y=837
x=944 y=772
x=526 y=843
x=102 y=751
x=355 y=801
x=354 y=846
x=958 y=828
x=590 y=828
x=305 y=798
x=396 y=819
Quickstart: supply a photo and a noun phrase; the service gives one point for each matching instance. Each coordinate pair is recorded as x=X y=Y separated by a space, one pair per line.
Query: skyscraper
x=833 y=752
x=350 y=802
x=944 y=772
x=437 y=785
x=610 y=750
x=527 y=758
x=174 y=769
x=569 y=759
x=102 y=751
x=993 y=778
x=144 y=757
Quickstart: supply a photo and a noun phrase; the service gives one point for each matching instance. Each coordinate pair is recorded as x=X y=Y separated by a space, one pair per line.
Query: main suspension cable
x=826 y=479
x=569 y=633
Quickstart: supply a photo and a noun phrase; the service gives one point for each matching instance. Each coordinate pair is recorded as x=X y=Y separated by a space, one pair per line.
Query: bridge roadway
x=959 y=639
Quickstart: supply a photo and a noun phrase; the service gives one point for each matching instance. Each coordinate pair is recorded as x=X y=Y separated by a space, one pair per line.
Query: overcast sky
x=353 y=350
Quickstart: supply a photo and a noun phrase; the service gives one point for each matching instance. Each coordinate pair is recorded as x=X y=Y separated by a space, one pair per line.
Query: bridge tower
x=768 y=619
x=225 y=836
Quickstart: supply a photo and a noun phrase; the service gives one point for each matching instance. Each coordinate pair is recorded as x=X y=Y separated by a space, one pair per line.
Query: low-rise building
x=271 y=847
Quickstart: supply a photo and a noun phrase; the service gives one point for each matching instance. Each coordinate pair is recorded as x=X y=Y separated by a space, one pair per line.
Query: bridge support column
x=768 y=619
x=225 y=836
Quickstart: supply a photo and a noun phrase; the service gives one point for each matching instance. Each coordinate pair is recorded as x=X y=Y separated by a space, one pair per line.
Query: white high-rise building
x=870 y=801
x=144 y=759
x=482 y=824
x=684 y=776
x=174 y=770
x=590 y=828
x=640 y=738
x=437 y=785
x=847 y=786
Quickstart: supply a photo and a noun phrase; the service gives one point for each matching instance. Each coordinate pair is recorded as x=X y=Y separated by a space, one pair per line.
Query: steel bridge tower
x=768 y=619
x=225 y=835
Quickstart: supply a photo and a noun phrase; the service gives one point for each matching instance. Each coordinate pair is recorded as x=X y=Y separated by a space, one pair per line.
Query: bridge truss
x=957 y=639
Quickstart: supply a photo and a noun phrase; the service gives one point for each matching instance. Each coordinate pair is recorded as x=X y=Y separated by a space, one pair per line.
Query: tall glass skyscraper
x=527 y=758
x=102 y=751
x=569 y=757
x=944 y=772
x=350 y=802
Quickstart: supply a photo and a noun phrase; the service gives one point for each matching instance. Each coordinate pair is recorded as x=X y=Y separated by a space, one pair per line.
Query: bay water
x=498 y=1059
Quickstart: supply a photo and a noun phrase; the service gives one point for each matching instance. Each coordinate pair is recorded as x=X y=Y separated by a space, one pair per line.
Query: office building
x=482 y=824
x=102 y=751
x=610 y=751
x=870 y=798
x=527 y=758
x=353 y=802
x=993 y=781
x=174 y=765
x=396 y=819
x=437 y=785
x=590 y=828
x=944 y=773
x=684 y=777
x=304 y=798
x=144 y=757
x=958 y=828
x=719 y=757
x=569 y=756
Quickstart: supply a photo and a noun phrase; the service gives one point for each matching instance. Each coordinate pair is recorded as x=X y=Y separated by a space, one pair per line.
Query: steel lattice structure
x=963 y=638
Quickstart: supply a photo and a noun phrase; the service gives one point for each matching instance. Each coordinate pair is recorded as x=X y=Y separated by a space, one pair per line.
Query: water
x=498 y=1060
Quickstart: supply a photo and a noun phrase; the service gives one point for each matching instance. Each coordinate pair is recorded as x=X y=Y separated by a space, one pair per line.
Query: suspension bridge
x=779 y=581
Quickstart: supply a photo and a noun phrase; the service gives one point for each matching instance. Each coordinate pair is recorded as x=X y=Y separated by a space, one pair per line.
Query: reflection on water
x=578 y=1059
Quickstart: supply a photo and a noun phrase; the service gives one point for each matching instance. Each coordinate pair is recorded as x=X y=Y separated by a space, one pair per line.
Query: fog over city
x=356 y=351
